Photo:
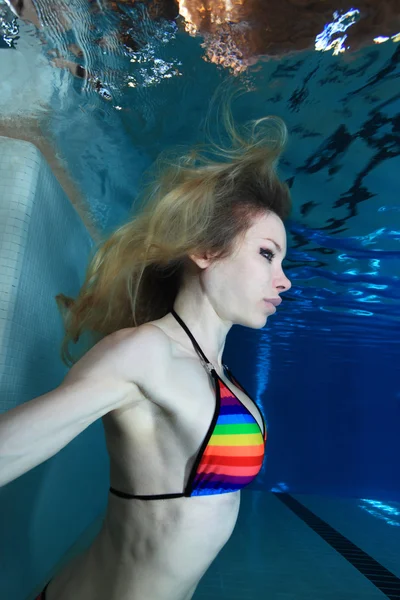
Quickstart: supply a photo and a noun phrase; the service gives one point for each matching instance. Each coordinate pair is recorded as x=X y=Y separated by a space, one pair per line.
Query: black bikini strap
x=195 y=344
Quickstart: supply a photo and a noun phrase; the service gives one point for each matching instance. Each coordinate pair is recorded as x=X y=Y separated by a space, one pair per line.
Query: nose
x=283 y=284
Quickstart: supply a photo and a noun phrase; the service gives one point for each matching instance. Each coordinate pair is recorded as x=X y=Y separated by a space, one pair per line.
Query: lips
x=274 y=301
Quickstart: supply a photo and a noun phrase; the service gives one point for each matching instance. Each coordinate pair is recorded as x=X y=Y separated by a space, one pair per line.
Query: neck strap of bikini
x=195 y=344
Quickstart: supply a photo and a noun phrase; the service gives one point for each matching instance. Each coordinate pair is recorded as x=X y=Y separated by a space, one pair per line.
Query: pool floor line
x=383 y=579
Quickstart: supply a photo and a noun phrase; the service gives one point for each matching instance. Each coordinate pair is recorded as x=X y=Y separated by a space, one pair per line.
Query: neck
x=204 y=324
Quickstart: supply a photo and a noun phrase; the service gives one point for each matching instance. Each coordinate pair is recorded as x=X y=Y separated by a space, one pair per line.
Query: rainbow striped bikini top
x=232 y=451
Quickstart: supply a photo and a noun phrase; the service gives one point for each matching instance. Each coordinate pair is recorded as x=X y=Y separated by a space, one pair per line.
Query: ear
x=201 y=260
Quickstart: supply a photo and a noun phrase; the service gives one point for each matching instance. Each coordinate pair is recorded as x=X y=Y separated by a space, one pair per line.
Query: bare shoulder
x=128 y=354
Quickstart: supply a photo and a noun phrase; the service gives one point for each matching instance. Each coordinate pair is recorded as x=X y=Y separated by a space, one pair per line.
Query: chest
x=195 y=394
x=192 y=428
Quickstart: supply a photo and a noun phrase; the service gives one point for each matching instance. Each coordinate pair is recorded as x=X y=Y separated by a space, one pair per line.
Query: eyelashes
x=269 y=255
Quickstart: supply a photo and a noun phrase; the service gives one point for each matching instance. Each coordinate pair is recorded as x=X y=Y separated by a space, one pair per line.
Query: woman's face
x=239 y=285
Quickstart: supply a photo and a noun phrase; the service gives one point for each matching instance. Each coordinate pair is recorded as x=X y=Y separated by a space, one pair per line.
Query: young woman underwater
x=203 y=252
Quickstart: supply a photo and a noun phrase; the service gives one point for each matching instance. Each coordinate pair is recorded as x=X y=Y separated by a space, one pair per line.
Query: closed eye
x=269 y=255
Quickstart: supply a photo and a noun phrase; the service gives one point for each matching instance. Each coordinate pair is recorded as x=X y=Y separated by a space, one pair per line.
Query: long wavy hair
x=188 y=203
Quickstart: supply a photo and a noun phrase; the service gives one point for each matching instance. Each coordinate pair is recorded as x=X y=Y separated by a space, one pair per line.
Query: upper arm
x=105 y=378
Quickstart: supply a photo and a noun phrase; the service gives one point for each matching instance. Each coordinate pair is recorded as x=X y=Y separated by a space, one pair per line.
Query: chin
x=258 y=323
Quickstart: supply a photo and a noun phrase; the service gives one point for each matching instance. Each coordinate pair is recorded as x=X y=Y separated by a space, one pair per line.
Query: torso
x=157 y=549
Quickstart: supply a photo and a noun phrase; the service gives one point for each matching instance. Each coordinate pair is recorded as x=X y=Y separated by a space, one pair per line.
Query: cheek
x=250 y=278
x=233 y=281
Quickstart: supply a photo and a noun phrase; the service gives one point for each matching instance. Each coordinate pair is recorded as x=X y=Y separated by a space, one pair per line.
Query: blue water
x=326 y=368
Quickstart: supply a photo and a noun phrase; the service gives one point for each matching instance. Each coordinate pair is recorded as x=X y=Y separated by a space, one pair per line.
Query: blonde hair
x=190 y=204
